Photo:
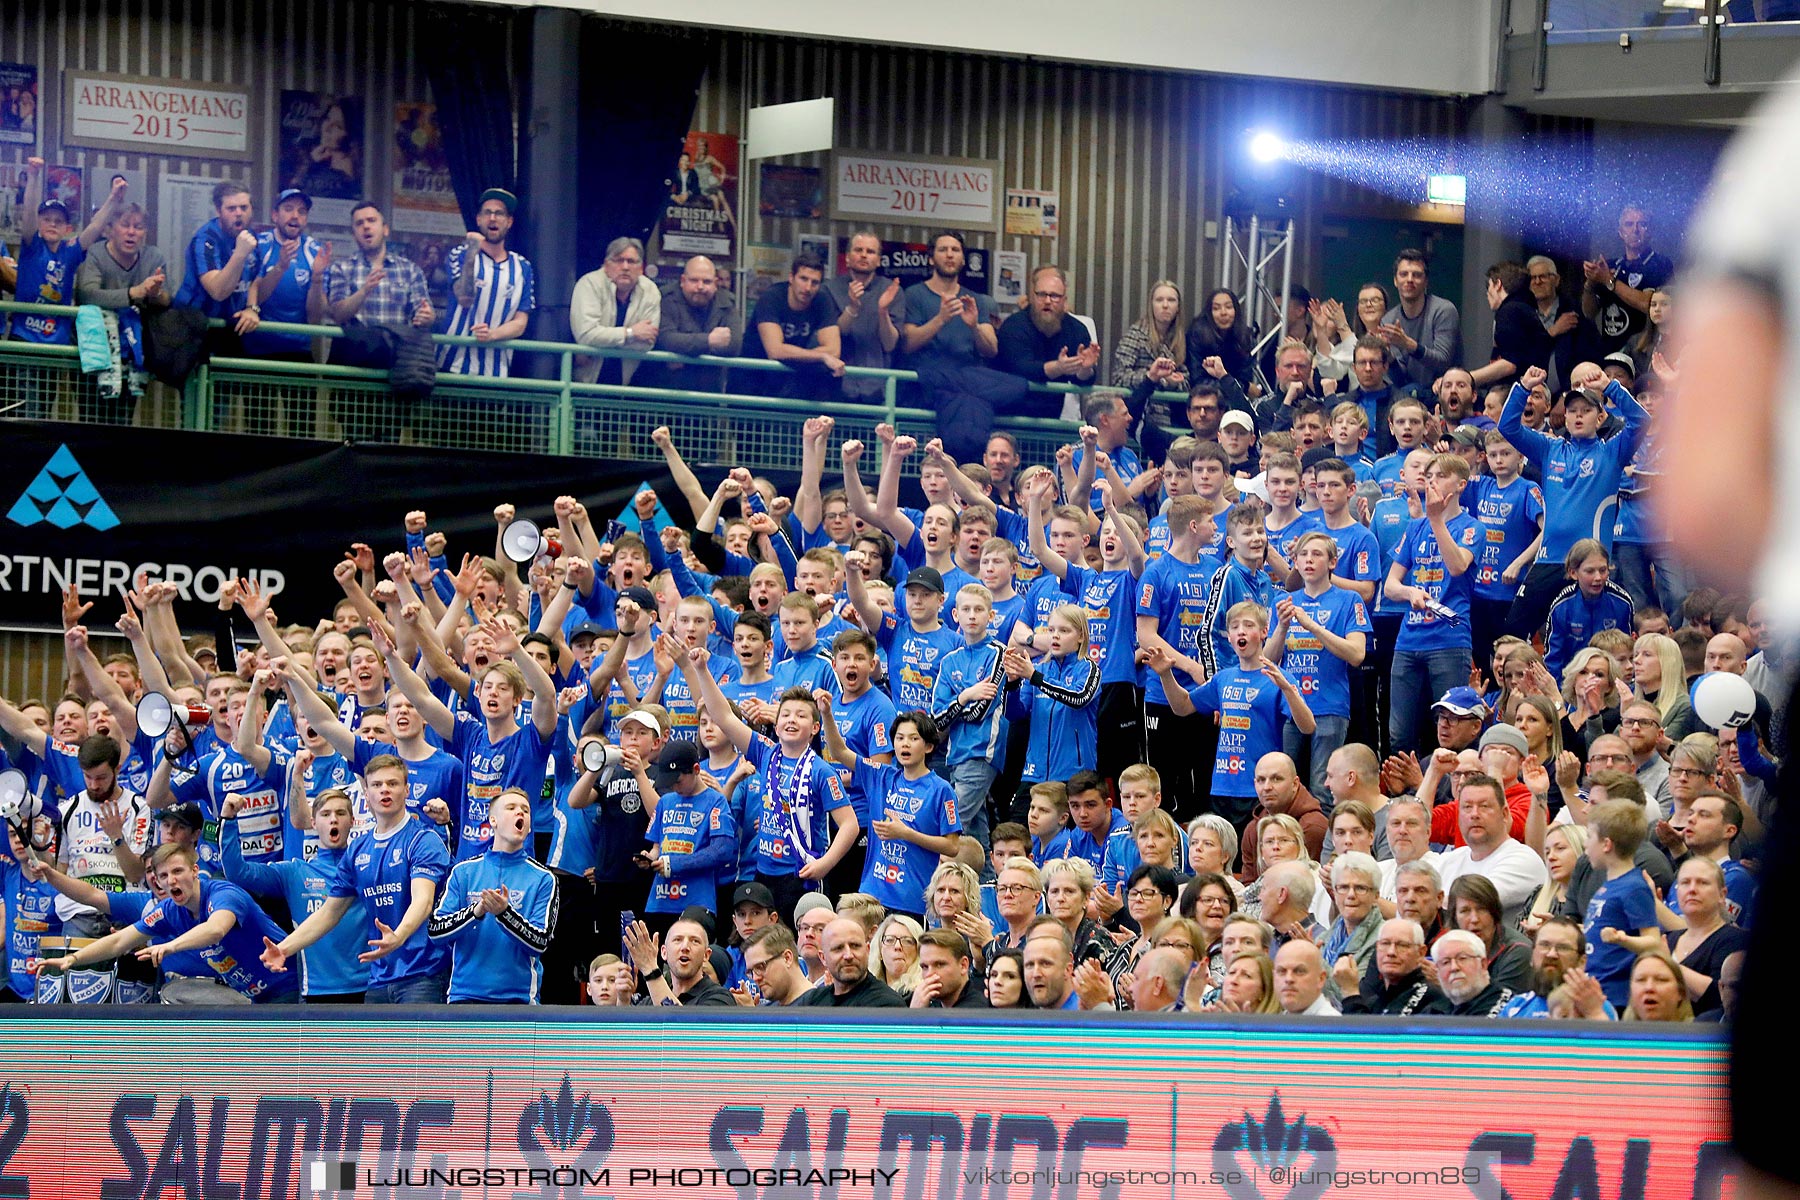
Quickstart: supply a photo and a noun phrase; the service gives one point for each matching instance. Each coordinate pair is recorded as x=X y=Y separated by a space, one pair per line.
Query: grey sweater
x=101 y=280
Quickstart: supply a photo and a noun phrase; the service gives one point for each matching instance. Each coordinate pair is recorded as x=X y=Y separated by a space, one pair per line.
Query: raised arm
x=1036 y=500
x=1135 y=558
x=887 y=489
x=248 y=739
x=440 y=718
x=684 y=477
x=701 y=685
x=808 y=507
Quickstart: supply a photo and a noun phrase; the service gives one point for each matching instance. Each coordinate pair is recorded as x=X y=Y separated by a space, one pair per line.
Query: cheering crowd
x=1360 y=684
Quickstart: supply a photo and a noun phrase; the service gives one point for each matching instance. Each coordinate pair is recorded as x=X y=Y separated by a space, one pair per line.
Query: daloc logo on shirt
x=63 y=495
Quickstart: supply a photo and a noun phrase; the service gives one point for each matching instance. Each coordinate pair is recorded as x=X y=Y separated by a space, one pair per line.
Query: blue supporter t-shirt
x=1624 y=903
x=1420 y=555
x=1322 y=677
x=1252 y=711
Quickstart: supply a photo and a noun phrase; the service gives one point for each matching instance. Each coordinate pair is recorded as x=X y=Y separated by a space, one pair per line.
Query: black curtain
x=637 y=102
x=473 y=86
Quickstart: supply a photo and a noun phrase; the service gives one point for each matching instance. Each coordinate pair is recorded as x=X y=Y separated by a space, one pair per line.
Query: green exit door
x=1358 y=250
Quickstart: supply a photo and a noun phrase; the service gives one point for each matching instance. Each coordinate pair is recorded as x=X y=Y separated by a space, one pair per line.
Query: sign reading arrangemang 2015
x=92 y=506
x=753 y=1106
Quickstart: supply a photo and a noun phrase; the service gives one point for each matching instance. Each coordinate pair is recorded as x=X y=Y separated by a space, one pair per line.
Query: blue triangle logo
x=63 y=495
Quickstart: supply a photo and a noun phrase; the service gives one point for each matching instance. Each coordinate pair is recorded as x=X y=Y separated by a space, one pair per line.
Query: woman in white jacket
x=615 y=306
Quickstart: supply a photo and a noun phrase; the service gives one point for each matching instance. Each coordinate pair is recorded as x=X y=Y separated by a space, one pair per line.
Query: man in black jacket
x=1462 y=970
x=681 y=978
x=846 y=945
x=696 y=319
x=944 y=980
x=1395 y=985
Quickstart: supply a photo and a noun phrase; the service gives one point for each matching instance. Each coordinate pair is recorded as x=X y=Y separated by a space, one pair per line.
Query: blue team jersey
x=518 y=760
x=1057 y=847
x=437 y=776
x=976 y=730
x=866 y=725
x=897 y=872
x=1639 y=524
x=1625 y=903
x=684 y=717
x=1125 y=463
x=1282 y=540
x=326 y=772
x=1421 y=557
x=1386 y=470
x=47 y=276
x=1509 y=521
x=698 y=837
x=380 y=870
x=1175 y=593
x=799 y=795
x=642 y=673
x=209 y=250
x=30 y=917
x=1156 y=538
x=501 y=291
x=287 y=302
x=262 y=816
x=1252 y=711
x=236 y=958
x=1112 y=625
x=810 y=669
x=1230 y=585
x=737 y=691
x=497 y=958
x=1388 y=522
x=1322 y=677
x=1082 y=844
x=1359 y=553
x=912 y=659
x=1122 y=857
x=329 y=966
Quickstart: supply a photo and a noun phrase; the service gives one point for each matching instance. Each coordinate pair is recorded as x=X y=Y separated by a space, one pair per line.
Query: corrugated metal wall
x=1140 y=158
x=362 y=49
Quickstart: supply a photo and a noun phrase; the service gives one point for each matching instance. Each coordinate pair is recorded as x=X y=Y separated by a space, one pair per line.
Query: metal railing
x=545 y=416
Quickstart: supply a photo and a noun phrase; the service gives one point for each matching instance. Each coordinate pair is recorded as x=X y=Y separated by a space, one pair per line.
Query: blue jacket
x=978 y=729
x=1060 y=698
x=496 y=958
x=1574 y=619
x=1581 y=478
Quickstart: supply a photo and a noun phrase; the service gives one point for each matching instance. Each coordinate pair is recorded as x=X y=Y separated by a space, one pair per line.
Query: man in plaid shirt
x=374 y=285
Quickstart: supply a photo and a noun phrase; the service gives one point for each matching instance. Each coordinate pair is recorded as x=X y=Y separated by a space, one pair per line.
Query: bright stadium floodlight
x=1266 y=147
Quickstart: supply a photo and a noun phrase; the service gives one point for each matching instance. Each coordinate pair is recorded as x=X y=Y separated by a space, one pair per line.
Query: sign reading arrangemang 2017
x=642 y=1103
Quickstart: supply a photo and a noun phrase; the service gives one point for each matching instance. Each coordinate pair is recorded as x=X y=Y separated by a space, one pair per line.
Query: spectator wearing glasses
x=1462 y=969
x=1018 y=889
x=1355 y=884
x=1559 y=985
x=1150 y=895
x=1475 y=908
x=1397 y=985
x=1050 y=346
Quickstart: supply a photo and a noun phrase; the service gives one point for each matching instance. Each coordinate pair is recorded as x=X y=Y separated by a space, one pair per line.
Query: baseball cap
x=294 y=194
x=1505 y=735
x=1256 y=485
x=753 y=893
x=503 y=196
x=1461 y=701
x=1619 y=358
x=1468 y=435
x=809 y=902
x=185 y=813
x=927 y=578
x=54 y=206
x=1315 y=456
x=1581 y=396
x=1239 y=418
x=646 y=719
x=640 y=595
x=586 y=629
x=701 y=916
x=721 y=962
x=678 y=757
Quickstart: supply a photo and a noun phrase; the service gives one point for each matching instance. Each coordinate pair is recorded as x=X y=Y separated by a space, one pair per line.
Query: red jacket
x=1446 y=830
x=1313 y=828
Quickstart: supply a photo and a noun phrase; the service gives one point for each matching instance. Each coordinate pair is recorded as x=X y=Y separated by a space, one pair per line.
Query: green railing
x=546 y=416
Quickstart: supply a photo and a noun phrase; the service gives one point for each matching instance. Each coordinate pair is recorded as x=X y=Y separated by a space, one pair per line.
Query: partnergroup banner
x=757 y=1106
x=94 y=506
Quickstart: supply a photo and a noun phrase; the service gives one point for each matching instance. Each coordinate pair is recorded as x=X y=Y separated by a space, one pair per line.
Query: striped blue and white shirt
x=502 y=289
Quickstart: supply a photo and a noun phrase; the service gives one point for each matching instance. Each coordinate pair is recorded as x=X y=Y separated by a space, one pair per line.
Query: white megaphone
x=156 y=716
x=521 y=540
x=598 y=756
x=18 y=807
